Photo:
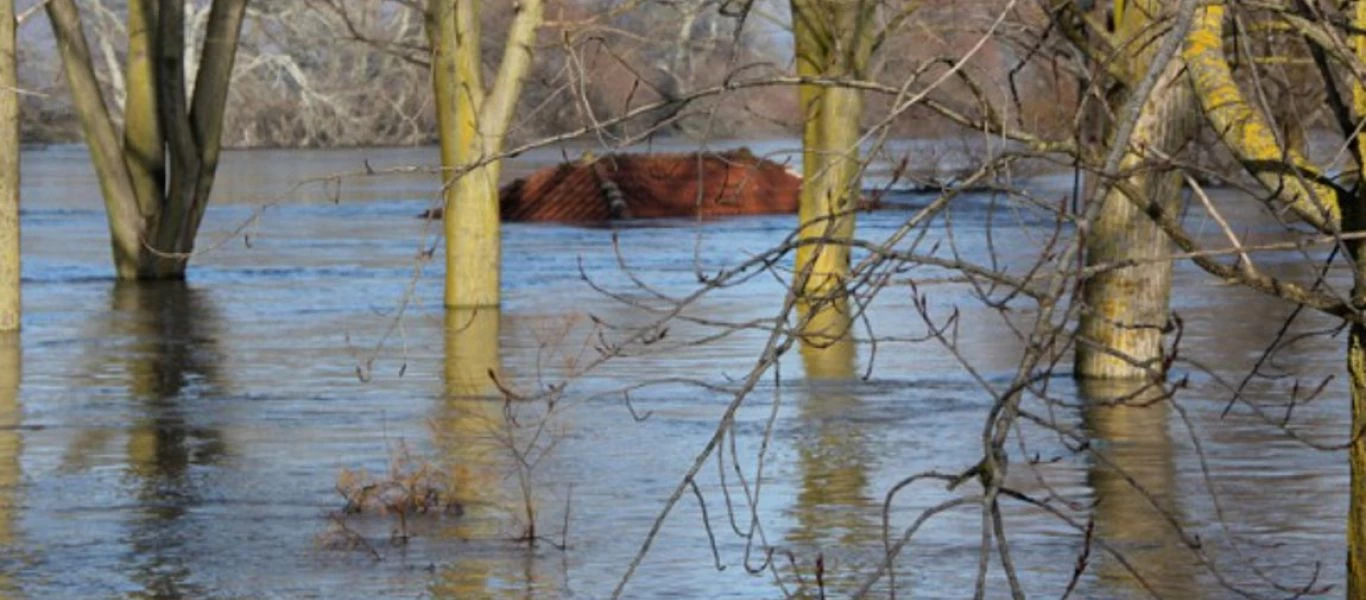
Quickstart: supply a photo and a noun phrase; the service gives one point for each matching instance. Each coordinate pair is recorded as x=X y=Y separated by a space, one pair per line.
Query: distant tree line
x=328 y=73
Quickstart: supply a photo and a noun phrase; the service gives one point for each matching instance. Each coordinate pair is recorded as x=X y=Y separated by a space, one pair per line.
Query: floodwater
x=188 y=440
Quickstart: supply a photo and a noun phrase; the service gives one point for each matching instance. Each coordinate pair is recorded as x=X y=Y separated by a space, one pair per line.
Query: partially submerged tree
x=1128 y=512
x=156 y=181
x=474 y=121
x=1293 y=186
x=9 y=170
x=833 y=40
x=1126 y=309
x=1296 y=185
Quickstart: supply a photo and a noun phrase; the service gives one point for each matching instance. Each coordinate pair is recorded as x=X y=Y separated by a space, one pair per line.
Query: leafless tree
x=617 y=80
x=1034 y=294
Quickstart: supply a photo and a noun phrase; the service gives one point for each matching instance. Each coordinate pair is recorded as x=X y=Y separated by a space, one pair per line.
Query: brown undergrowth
x=412 y=487
x=487 y=431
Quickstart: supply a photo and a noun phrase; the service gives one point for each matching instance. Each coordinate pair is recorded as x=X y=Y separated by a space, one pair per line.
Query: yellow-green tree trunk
x=9 y=171
x=1299 y=188
x=474 y=122
x=1356 y=456
x=830 y=190
x=120 y=201
x=831 y=42
x=1354 y=219
x=142 y=140
x=1121 y=328
x=154 y=208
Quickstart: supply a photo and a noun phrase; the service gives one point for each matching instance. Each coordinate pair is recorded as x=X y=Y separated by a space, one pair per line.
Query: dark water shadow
x=1134 y=479
x=473 y=438
x=835 y=508
x=159 y=340
x=11 y=474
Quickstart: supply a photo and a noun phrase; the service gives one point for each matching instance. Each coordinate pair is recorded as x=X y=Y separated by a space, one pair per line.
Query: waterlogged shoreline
x=188 y=440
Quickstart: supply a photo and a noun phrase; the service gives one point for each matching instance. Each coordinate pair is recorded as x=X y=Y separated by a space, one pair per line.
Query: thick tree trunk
x=126 y=224
x=1125 y=316
x=1126 y=309
x=1293 y=182
x=11 y=446
x=472 y=354
x=181 y=147
x=829 y=42
x=154 y=213
x=473 y=244
x=209 y=103
x=473 y=240
x=830 y=188
x=1356 y=455
x=1354 y=219
x=474 y=123
x=192 y=126
x=142 y=139
x=10 y=307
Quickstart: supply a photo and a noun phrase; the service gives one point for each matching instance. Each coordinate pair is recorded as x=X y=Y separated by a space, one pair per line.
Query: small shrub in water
x=411 y=487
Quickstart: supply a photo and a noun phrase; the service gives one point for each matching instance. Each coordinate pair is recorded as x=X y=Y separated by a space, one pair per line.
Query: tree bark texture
x=831 y=41
x=157 y=181
x=1125 y=315
x=10 y=298
x=474 y=122
x=1294 y=183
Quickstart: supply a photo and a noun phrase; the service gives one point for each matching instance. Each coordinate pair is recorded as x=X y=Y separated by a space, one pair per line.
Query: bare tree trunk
x=474 y=123
x=1126 y=310
x=120 y=201
x=154 y=213
x=1296 y=184
x=829 y=43
x=194 y=127
x=181 y=140
x=1356 y=455
x=11 y=441
x=210 y=100
x=1354 y=219
x=10 y=305
x=473 y=240
x=142 y=139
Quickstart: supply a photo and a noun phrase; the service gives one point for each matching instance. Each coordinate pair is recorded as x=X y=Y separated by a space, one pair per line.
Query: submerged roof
x=643 y=186
x=652 y=186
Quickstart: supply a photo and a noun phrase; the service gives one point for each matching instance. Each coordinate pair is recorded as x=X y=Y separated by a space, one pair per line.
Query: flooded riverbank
x=185 y=440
